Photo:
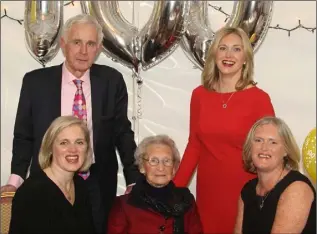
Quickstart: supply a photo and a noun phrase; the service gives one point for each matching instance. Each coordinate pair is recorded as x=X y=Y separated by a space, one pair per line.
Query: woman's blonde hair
x=58 y=125
x=291 y=160
x=210 y=74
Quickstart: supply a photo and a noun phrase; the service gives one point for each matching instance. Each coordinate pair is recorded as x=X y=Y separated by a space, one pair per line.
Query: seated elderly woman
x=280 y=199
x=55 y=199
x=155 y=205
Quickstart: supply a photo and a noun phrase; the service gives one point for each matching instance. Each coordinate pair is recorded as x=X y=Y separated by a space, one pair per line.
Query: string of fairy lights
x=277 y=27
x=217 y=8
x=5 y=15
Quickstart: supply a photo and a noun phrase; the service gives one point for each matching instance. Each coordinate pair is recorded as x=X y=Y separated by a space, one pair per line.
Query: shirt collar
x=68 y=77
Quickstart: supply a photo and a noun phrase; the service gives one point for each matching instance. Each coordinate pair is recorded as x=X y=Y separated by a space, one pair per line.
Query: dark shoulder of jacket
x=99 y=70
x=41 y=73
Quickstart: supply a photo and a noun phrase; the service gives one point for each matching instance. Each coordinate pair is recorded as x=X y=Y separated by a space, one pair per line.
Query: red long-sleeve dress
x=215 y=145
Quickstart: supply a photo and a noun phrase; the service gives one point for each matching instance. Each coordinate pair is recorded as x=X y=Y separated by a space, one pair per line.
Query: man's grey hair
x=82 y=19
x=140 y=152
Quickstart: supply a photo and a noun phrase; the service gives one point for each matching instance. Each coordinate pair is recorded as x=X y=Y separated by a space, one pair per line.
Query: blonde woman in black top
x=55 y=199
x=280 y=199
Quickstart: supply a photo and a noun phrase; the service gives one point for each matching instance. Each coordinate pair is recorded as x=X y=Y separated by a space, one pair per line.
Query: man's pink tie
x=80 y=111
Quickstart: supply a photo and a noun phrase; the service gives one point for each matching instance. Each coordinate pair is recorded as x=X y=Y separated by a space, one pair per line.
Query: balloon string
x=139 y=107
x=133 y=102
x=137 y=104
x=133 y=13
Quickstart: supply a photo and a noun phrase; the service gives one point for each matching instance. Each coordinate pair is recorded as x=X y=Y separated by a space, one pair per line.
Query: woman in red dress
x=222 y=111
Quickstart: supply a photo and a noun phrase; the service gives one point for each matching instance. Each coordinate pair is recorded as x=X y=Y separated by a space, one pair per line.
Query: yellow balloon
x=309 y=154
x=253 y=37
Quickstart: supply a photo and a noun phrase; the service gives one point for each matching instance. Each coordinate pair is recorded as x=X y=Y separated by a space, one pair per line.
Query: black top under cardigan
x=169 y=201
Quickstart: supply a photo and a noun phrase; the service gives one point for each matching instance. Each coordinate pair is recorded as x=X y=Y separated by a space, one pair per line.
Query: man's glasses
x=155 y=161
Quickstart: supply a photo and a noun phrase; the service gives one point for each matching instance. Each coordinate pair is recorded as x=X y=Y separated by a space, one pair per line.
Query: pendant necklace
x=264 y=197
x=225 y=104
x=67 y=193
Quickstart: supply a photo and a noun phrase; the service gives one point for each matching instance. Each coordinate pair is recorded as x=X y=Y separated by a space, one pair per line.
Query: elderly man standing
x=96 y=94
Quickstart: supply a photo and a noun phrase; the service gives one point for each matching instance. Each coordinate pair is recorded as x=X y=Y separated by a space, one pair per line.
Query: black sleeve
x=124 y=135
x=23 y=131
x=21 y=213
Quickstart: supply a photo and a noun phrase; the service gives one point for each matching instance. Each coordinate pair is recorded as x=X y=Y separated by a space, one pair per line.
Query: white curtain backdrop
x=285 y=67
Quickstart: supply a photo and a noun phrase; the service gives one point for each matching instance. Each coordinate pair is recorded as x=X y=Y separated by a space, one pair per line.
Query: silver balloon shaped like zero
x=42 y=23
x=119 y=35
x=124 y=43
x=163 y=32
x=253 y=17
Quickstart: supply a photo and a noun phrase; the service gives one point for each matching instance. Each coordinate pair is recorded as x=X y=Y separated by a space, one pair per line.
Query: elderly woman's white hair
x=140 y=152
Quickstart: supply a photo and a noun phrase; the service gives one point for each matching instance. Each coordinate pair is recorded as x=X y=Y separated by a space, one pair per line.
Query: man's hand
x=7 y=188
x=129 y=189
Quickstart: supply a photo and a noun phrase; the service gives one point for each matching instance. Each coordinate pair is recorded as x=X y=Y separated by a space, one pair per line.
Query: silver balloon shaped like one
x=124 y=43
x=253 y=17
x=164 y=30
x=119 y=41
x=42 y=23
x=198 y=35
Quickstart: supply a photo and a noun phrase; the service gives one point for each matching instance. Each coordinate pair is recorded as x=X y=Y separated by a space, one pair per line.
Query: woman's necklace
x=267 y=194
x=263 y=199
x=67 y=192
x=224 y=104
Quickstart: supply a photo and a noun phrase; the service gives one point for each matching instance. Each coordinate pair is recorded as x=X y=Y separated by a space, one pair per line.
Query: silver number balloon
x=119 y=35
x=42 y=24
x=163 y=32
x=154 y=42
x=253 y=17
x=198 y=35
